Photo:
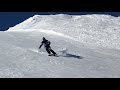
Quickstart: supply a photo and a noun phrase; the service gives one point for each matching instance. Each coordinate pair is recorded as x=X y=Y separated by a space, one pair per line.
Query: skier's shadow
x=65 y=54
x=74 y=56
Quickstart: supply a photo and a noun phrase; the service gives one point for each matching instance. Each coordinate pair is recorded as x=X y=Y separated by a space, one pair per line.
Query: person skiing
x=46 y=44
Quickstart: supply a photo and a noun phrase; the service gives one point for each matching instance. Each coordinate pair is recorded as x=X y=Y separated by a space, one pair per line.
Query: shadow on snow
x=65 y=54
x=73 y=56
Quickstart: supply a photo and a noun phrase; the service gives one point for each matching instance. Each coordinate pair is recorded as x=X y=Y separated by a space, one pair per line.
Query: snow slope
x=93 y=29
x=88 y=46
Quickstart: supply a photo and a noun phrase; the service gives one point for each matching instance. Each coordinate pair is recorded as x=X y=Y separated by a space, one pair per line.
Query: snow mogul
x=46 y=44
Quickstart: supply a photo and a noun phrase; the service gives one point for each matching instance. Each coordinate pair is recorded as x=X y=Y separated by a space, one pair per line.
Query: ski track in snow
x=77 y=57
x=56 y=65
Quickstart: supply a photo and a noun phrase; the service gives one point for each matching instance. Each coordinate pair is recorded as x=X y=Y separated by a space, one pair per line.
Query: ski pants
x=49 y=50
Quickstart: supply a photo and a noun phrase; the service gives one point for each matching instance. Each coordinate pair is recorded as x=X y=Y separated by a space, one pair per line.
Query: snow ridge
x=97 y=30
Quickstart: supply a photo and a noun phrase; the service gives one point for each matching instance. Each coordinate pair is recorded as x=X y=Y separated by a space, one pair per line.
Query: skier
x=46 y=44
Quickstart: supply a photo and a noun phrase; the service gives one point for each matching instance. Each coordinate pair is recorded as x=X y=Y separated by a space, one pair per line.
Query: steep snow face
x=87 y=45
x=19 y=57
x=96 y=30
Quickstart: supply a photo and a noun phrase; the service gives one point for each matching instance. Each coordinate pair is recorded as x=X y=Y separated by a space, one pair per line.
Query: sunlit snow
x=87 y=45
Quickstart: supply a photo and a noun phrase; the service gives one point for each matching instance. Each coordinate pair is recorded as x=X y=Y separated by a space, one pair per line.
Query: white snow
x=88 y=45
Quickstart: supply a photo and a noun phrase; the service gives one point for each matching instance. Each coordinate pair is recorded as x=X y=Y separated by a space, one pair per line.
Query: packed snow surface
x=87 y=45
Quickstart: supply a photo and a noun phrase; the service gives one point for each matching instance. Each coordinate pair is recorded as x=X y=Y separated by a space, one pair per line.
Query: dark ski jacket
x=46 y=43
